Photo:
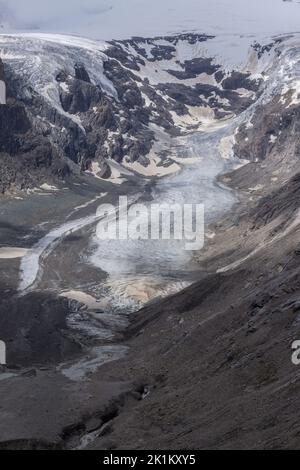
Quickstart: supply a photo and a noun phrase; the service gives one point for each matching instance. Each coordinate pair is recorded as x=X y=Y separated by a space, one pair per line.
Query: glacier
x=119 y=19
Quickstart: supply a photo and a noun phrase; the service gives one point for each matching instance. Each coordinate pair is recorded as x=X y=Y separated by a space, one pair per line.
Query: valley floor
x=207 y=368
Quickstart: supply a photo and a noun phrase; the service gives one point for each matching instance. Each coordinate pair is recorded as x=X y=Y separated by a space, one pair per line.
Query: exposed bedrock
x=268 y=131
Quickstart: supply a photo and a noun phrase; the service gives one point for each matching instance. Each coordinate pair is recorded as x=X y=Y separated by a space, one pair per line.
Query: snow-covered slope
x=120 y=19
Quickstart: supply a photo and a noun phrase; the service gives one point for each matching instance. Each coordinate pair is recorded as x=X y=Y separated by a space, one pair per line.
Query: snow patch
x=12 y=252
x=226 y=147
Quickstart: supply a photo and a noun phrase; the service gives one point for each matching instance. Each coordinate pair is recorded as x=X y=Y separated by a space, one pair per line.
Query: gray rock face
x=240 y=80
x=2 y=85
x=1 y=70
x=81 y=73
x=195 y=67
x=272 y=126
